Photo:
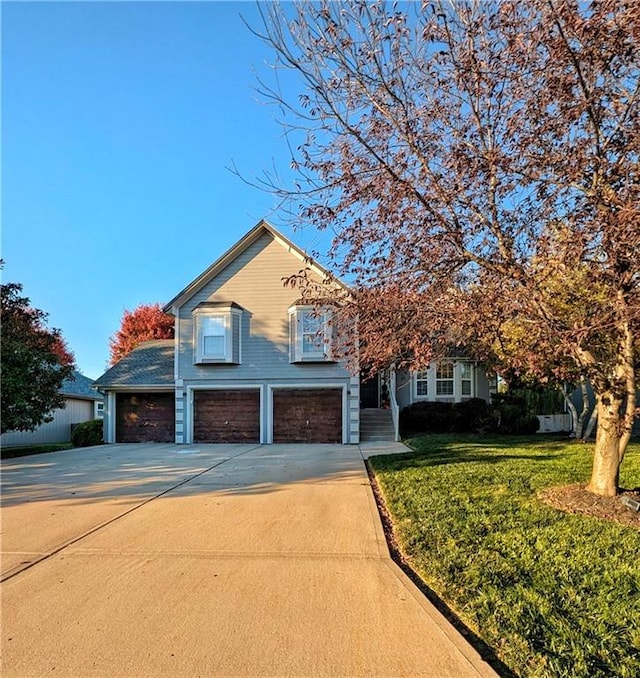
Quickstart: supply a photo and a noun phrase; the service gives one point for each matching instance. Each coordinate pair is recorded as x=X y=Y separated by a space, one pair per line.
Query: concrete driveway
x=209 y=560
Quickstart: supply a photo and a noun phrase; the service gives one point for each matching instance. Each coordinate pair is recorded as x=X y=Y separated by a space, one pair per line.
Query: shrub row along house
x=252 y=362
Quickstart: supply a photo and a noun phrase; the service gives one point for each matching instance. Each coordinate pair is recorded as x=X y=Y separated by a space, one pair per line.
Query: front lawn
x=554 y=594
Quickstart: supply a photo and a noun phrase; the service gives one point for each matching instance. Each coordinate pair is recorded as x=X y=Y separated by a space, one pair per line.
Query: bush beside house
x=87 y=434
x=506 y=414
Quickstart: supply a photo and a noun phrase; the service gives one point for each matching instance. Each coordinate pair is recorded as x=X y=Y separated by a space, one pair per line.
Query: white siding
x=56 y=431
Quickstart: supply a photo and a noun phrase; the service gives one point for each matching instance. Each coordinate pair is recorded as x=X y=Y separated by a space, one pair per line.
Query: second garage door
x=231 y=416
x=303 y=415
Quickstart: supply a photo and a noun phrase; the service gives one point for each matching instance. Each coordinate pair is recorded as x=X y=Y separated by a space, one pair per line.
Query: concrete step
x=375 y=415
x=376 y=425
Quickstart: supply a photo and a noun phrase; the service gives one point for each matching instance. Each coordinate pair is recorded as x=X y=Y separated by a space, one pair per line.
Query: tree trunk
x=574 y=413
x=585 y=407
x=591 y=424
x=606 y=458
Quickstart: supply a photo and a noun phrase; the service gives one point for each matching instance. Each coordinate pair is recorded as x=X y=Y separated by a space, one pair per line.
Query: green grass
x=553 y=594
x=12 y=452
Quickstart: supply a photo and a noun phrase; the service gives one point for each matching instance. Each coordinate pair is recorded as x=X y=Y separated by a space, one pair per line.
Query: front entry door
x=370 y=392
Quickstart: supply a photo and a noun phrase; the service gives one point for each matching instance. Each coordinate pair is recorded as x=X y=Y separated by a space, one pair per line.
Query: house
x=251 y=362
x=82 y=403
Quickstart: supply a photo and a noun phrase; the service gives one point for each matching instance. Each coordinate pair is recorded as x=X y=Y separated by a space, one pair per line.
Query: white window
x=422 y=384
x=214 y=336
x=99 y=410
x=217 y=331
x=448 y=380
x=309 y=334
x=466 y=380
x=444 y=379
x=313 y=333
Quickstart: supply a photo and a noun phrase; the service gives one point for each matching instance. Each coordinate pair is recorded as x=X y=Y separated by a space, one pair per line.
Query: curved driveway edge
x=210 y=560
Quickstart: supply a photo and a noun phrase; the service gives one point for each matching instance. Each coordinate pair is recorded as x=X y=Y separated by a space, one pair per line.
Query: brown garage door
x=226 y=416
x=307 y=415
x=145 y=417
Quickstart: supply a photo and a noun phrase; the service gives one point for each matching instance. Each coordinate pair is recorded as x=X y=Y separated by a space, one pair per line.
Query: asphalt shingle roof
x=149 y=364
x=79 y=386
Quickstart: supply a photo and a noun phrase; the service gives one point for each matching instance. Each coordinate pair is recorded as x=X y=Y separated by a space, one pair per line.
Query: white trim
x=227 y=316
x=432 y=380
x=448 y=380
x=143 y=388
x=309 y=387
x=393 y=403
x=296 y=314
x=109 y=431
x=431 y=385
x=111 y=407
x=179 y=412
x=221 y=387
x=176 y=348
x=458 y=378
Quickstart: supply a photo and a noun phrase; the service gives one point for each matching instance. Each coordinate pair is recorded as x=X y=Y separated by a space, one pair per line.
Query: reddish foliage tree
x=478 y=164
x=145 y=322
x=35 y=361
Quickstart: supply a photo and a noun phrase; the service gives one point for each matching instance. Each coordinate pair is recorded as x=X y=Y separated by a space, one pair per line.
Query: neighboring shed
x=140 y=390
x=82 y=403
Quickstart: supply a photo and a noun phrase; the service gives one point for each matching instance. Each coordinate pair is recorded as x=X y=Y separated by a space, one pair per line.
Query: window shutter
x=236 y=322
x=293 y=336
x=196 y=339
x=328 y=335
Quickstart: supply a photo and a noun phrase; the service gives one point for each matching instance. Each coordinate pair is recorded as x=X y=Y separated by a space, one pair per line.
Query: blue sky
x=119 y=121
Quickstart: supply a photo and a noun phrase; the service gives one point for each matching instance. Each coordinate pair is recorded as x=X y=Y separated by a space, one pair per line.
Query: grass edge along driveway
x=553 y=594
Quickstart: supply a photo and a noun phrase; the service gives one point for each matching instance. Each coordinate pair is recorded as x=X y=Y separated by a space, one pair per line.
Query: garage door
x=145 y=417
x=307 y=415
x=226 y=416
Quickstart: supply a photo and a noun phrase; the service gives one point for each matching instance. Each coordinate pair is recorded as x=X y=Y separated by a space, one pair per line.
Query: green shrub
x=508 y=413
x=541 y=400
x=512 y=415
x=473 y=415
x=438 y=417
x=87 y=434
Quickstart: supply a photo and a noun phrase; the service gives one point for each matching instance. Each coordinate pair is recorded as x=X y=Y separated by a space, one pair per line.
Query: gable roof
x=79 y=386
x=150 y=364
x=230 y=255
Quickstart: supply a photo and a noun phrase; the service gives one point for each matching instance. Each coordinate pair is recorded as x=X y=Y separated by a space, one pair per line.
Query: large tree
x=35 y=362
x=145 y=322
x=478 y=165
